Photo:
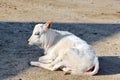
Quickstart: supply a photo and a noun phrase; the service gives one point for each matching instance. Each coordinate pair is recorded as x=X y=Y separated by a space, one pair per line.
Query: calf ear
x=47 y=25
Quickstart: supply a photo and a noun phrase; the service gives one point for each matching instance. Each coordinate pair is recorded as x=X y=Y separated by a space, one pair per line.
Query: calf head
x=37 y=37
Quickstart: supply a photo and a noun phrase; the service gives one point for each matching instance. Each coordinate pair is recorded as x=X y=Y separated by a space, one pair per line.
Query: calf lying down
x=63 y=50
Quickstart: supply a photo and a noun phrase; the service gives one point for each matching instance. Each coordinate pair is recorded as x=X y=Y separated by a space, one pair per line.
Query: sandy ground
x=92 y=20
x=85 y=11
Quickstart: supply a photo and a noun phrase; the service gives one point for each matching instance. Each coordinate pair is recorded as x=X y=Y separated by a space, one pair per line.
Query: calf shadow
x=15 y=53
x=109 y=65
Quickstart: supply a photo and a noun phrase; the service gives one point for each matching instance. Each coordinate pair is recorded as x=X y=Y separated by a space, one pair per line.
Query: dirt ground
x=83 y=11
x=96 y=21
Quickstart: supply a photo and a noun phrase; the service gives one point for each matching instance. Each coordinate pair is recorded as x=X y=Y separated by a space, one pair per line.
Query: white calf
x=63 y=50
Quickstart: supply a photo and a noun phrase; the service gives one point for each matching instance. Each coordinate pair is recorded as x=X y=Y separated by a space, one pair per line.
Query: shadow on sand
x=15 y=53
x=109 y=65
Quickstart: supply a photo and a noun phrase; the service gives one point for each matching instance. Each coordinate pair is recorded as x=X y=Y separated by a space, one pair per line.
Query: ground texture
x=96 y=21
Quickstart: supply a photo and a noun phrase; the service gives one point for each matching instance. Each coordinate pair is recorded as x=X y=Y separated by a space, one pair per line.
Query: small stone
x=20 y=79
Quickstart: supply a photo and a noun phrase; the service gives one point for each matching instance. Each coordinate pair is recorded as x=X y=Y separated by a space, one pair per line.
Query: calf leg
x=67 y=70
x=58 y=66
x=58 y=59
x=47 y=66
x=38 y=64
x=48 y=58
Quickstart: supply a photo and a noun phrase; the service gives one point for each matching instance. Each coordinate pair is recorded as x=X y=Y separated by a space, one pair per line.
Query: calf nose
x=28 y=39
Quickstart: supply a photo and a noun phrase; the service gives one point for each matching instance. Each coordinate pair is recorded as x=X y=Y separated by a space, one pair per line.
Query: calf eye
x=37 y=33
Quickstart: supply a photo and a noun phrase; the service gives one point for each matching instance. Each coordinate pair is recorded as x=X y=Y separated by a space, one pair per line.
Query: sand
x=95 y=21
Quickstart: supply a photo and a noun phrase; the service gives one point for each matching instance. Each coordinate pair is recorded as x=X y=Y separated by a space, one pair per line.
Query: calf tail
x=95 y=68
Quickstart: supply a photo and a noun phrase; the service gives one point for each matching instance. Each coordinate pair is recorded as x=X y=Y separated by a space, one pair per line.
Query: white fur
x=63 y=50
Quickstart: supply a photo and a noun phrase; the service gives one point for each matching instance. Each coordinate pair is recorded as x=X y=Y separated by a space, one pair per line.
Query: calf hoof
x=66 y=73
x=32 y=63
